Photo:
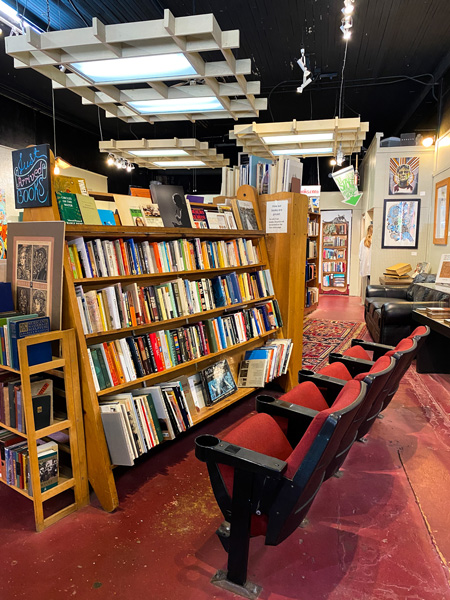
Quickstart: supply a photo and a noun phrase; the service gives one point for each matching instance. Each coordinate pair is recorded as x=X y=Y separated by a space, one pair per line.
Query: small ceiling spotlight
x=110 y=160
x=339 y=156
x=347 y=20
x=306 y=73
x=333 y=162
x=348 y=7
x=428 y=141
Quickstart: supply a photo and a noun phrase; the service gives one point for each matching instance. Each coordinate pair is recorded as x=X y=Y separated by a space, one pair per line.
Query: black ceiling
x=397 y=54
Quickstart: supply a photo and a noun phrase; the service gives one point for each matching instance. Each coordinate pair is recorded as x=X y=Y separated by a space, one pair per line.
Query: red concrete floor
x=380 y=532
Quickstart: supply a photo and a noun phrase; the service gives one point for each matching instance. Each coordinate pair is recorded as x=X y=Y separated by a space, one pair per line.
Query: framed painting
x=404 y=176
x=35 y=268
x=401 y=223
x=441 y=203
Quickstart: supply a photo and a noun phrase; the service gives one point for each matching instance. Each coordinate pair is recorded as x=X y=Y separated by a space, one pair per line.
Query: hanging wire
x=54 y=120
x=318 y=171
x=100 y=123
x=342 y=80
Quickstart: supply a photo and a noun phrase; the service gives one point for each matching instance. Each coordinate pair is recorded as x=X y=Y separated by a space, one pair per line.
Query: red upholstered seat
x=337 y=370
x=306 y=394
x=357 y=352
x=402 y=346
x=380 y=365
x=421 y=330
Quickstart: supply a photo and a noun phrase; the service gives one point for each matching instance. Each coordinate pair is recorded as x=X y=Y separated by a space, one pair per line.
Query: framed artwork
x=35 y=268
x=441 y=202
x=401 y=223
x=443 y=273
x=404 y=176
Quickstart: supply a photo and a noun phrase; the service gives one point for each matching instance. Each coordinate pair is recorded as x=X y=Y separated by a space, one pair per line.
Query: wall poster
x=401 y=223
x=404 y=176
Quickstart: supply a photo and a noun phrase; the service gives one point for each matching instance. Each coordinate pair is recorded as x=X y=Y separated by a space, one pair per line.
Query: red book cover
x=143 y=353
x=156 y=351
x=157 y=256
x=145 y=315
x=116 y=361
x=111 y=366
x=124 y=257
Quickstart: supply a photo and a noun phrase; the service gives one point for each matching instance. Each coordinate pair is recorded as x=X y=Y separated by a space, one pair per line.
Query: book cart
x=335 y=257
x=100 y=469
x=312 y=263
x=71 y=423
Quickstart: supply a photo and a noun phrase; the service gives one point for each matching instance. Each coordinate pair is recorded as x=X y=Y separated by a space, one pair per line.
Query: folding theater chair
x=320 y=391
x=263 y=485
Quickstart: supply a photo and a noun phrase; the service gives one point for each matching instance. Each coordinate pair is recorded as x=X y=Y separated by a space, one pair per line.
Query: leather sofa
x=388 y=310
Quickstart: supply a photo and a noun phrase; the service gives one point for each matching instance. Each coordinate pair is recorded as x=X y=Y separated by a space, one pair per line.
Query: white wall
x=441 y=171
x=94 y=181
x=333 y=201
x=375 y=171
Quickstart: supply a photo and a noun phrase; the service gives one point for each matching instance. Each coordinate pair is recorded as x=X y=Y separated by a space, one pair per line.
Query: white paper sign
x=276 y=216
x=313 y=191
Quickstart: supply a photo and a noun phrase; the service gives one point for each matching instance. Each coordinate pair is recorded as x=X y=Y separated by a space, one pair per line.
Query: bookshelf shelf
x=72 y=424
x=167 y=324
x=183 y=367
x=100 y=469
x=100 y=281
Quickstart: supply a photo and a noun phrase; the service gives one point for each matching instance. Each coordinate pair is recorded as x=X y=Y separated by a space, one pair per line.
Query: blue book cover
x=219 y=295
x=236 y=289
x=6 y=298
x=257 y=354
x=37 y=353
x=221 y=332
x=137 y=265
x=106 y=217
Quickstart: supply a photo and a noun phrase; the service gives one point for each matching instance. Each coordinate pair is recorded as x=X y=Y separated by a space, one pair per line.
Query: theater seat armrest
x=377 y=349
x=298 y=417
x=211 y=449
x=354 y=365
x=331 y=386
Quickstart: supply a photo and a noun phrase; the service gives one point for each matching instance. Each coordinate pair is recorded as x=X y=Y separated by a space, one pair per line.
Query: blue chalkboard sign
x=32 y=177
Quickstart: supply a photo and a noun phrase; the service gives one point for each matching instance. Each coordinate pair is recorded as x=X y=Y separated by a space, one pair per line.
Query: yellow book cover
x=102 y=311
x=248 y=295
x=205 y=256
x=88 y=210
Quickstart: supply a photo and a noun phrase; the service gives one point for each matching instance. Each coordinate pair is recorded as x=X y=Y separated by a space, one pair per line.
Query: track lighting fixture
x=347 y=20
x=120 y=163
x=339 y=156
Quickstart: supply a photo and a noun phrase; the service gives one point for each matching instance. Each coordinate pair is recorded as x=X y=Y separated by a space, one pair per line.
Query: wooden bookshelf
x=332 y=256
x=100 y=469
x=287 y=258
x=313 y=282
x=71 y=424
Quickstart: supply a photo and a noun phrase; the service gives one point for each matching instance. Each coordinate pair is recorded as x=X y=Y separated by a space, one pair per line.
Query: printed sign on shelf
x=276 y=216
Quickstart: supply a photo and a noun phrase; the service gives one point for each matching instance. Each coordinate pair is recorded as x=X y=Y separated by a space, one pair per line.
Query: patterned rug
x=320 y=337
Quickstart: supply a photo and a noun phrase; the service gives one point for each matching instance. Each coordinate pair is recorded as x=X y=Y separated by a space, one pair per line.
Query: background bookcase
x=334 y=254
x=312 y=261
x=100 y=469
x=71 y=423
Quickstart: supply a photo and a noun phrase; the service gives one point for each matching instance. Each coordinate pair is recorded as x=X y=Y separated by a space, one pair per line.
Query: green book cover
x=68 y=208
x=98 y=369
x=101 y=360
x=211 y=336
x=88 y=210
x=172 y=300
x=171 y=348
x=155 y=418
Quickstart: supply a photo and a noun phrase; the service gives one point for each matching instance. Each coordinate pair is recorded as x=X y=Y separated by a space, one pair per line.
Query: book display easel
x=287 y=259
x=70 y=422
x=98 y=458
x=312 y=263
x=335 y=257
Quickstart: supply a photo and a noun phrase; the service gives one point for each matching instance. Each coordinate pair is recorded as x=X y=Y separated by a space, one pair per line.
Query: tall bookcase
x=334 y=274
x=100 y=469
x=312 y=263
x=287 y=257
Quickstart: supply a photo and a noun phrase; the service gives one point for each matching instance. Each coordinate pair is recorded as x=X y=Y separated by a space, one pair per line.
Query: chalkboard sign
x=32 y=177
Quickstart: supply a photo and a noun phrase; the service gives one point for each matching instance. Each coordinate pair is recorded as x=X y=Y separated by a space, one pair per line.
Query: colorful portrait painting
x=401 y=223
x=404 y=176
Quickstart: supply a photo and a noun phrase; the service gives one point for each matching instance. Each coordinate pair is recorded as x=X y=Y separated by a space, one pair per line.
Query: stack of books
x=262 y=365
x=397 y=272
x=438 y=312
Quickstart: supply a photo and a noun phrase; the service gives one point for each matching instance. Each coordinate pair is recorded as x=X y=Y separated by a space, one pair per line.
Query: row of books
x=313 y=227
x=333 y=266
x=14 y=326
x=136 y=421
x=311 y=248
x=262 y=365
x=334 y=241
x=312 y=296
x=332 y=254
x=336 y=280
x=311 y=271
x=12 y=412
x=335 y=228
x=124 y=360
x=110 y=258
x=118 y=306
x=15 y=462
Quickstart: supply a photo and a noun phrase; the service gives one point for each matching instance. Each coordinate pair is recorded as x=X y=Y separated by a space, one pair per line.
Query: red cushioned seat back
x=306 y=394
x=337 y=370
x=420 y=334
x=357 y=352
x=403 y=345
x=405 y=351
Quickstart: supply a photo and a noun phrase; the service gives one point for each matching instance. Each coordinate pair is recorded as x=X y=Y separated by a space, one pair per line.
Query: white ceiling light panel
x=99 y=60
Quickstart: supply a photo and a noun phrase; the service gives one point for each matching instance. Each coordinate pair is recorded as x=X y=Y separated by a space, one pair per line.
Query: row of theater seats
x=267 y=471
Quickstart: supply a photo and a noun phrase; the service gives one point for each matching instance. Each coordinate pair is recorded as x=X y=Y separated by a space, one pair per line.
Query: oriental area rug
x=320 y=337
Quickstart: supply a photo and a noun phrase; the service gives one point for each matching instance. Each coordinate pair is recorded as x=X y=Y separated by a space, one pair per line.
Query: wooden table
x=397 y=282
x=434 y=355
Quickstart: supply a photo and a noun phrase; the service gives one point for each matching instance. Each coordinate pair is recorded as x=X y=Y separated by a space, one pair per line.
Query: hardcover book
x=152 y=216
x=218 y=381
x=175 y=210
x=137 y=216
x=88 y=209
x=68 y=208
x=37 y=353
x=106 y=217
